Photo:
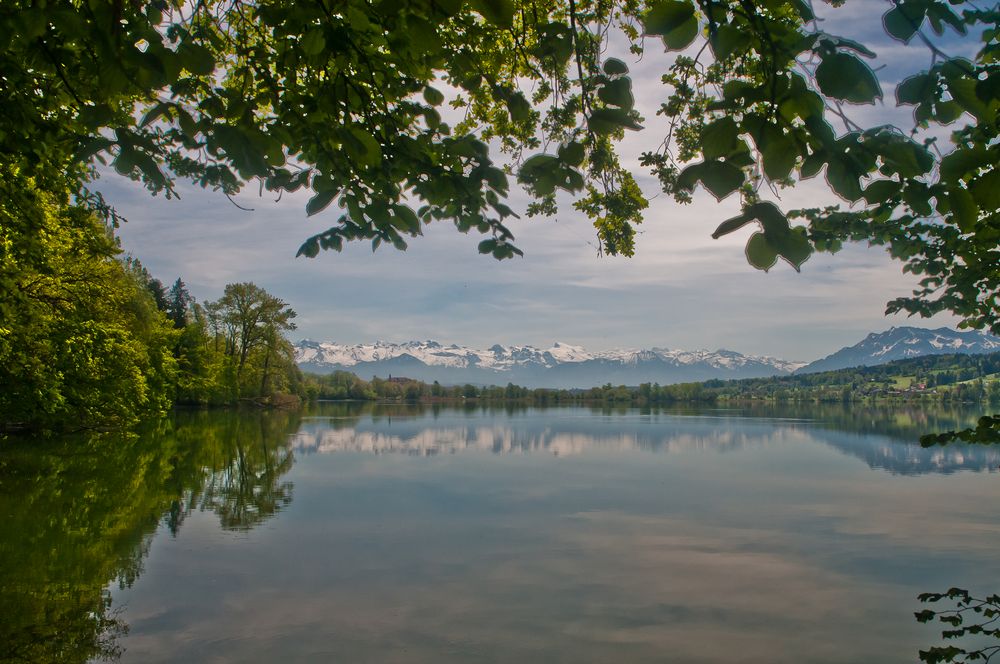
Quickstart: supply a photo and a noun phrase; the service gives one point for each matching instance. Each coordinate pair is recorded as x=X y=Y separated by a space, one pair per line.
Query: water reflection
x=242 y=462
x=883 y=438
x=652 y=536
x=609 y=552
x=80 y=513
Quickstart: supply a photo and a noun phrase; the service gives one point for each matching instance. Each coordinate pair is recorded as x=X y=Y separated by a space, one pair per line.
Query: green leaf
x=423 y=36
x=572 y=153
x=539 y=172
x=497 y=12
x=615 y=67
x=843 y=181
x=313 y=42
x=362 y=146
x=618 y=92
x=675 y=21
x=309 y=248
x=519 y=108
x=720 y=178
x=31 y=24
x=729 y=40
x=793 y=246
x=154 y=113
x=732 y=224
x=947 y=112
x=770 y=217
x=760 y=253
x=247 y=158
x=986 y=191
x=555 y=42
x=196 y=58
x=964 y=162
x=917 y=198
x=916 y=89
x=719 y=138
x=539 y=163
x=448 y=7
x=813 y=164
x=844 y=76
x=903 y=21
x=988 y=89
x=433 y=96
x=906 y=157
x=91 y=147
x=804 y=9
x=963 y=91
x=842 y=42
x=778 y=154
x=406 y=219
x=496 y=179
x=573 y=181
x=964 y=211
x=320 y=202
x=881 y=190
x=432 y=118
x=939 y=13
x=610 y=120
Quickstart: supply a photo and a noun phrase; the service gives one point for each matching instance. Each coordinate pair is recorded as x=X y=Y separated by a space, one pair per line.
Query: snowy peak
x=561 y=365
x=560 y=352
x=899 y=343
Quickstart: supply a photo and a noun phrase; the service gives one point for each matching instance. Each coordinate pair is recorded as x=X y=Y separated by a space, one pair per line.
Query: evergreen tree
x=178 y=304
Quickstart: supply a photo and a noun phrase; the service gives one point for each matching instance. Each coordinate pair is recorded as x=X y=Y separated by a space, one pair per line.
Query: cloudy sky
x=681 y=290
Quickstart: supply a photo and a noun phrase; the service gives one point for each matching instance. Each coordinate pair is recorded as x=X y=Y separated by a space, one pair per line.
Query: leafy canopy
x=82 y=343
x=356 y=102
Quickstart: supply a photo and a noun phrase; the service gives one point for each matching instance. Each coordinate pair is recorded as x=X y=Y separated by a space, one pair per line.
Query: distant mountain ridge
x=899 y=343
x=567 y=366
x=560 y=366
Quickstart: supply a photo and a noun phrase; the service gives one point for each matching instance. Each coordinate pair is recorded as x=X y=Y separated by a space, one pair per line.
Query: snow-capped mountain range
x=561 y=365
x=567 y=366
x=899 y=343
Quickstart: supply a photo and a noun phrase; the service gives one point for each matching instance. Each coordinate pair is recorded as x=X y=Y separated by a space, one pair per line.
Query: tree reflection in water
x=80 y=513
x=242 y=463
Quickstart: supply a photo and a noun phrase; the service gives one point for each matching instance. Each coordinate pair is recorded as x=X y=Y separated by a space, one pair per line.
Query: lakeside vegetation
x=938 y=378
x=90 y=339
x=343 y=104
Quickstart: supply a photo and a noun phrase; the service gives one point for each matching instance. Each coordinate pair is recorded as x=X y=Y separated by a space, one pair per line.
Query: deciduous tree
x=82 y=344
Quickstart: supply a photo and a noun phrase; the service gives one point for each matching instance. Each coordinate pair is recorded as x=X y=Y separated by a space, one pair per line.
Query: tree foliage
x=392 y=114
x=81 y=339
x=91 y=340
x=230 y=349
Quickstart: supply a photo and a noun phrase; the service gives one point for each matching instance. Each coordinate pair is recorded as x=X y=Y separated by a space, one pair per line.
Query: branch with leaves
x=351 y=101
x=970 y=618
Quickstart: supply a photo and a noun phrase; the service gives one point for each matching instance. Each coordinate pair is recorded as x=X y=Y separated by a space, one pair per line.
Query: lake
x=394 y=533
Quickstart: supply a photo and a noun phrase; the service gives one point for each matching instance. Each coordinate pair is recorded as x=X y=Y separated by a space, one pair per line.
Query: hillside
x=898 y=343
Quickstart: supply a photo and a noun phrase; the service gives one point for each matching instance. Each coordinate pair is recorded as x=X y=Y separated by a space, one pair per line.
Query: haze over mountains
x=567 y=366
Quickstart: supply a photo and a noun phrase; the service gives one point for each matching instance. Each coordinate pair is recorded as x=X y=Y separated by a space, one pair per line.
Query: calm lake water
x=353 y=533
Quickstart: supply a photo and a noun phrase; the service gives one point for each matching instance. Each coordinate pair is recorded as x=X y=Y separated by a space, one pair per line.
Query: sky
x=682 y=289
